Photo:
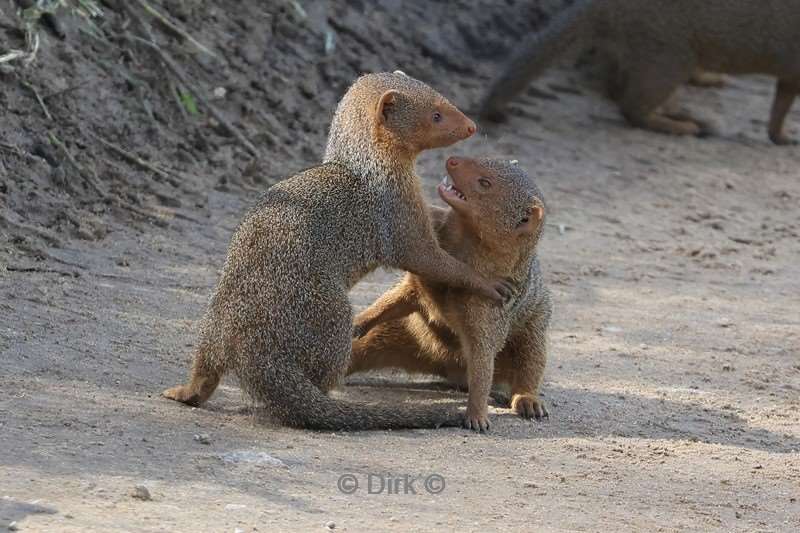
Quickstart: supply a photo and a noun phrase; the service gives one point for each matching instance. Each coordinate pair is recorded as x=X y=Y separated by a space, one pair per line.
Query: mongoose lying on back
x=280 y=317
x=422 y=326
x=658 y=44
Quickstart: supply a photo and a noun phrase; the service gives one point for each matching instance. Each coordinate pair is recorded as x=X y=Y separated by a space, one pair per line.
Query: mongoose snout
x=448 y=125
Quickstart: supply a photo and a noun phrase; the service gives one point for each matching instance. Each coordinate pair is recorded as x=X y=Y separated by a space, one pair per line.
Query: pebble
x=202 y=438
x=252 y=457
x=235 y=506
x=140 y=492
x=724 y=322
x=330 y=525
x=13 y=526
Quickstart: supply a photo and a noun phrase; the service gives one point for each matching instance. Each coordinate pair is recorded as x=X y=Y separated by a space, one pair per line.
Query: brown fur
x=280 y=317
x=423 y=327
x=658 y=44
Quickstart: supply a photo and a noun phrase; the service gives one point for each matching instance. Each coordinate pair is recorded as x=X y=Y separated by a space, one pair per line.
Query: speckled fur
x=280 y=317
x=656 y=46
x=449 y=332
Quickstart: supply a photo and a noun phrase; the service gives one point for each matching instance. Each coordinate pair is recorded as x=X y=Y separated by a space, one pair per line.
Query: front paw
x=529 y=406
x=477 y=421
x=501 y=291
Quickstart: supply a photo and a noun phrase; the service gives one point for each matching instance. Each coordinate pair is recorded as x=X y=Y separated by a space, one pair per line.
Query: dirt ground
x=673 y=382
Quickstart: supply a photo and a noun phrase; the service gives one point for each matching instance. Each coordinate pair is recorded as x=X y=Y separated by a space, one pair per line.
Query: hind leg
x=203 y=382
x=647 y=88
x=785 y=93
x=392 y=345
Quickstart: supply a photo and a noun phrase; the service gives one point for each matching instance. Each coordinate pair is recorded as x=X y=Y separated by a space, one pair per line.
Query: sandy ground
x=673 y=382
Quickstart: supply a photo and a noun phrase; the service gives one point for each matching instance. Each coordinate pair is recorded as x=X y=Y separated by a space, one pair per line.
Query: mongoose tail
x=570 y=28
x=296 y=402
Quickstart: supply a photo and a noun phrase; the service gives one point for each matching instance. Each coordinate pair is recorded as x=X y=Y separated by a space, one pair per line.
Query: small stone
x=220 y=92
x=330 y=525
x=235 y=507
x=529 y=485
x=202 y=438
x=13 y=526
x=238 y=530
x=140 y=492
x=724 y=322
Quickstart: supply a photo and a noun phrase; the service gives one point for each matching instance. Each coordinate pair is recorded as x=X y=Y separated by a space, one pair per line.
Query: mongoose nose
x=452 y=162
x=471 y=128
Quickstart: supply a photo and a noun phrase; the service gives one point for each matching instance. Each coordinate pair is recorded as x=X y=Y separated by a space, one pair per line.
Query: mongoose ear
x=538 y=213
x=385 y=105
x=533 y=219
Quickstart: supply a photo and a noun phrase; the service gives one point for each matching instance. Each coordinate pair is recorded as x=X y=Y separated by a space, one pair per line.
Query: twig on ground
x=38 y=99
x=65 y=91
x=14 y=222
x=39 y=270
x=171 y=26
x=132 y=158
x=142 y=213
x=89 y=178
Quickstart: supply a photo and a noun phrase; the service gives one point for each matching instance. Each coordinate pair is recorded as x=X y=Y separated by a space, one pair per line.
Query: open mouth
x=448 y=191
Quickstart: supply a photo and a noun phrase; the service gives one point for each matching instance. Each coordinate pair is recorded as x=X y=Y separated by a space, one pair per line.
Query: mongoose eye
x=485 y=183
x=437 y=117
x=524 y=221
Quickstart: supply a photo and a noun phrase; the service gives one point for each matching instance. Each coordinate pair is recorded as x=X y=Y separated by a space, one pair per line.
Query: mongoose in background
x=658 y=44
x=422 y=326
x=280 y=317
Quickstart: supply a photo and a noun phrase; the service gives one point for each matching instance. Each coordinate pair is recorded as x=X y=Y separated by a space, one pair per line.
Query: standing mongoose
x=422 y=326
x=280 y=317
x=658 y=45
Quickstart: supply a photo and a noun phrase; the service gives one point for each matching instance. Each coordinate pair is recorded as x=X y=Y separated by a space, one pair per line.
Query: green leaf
x=189 y=103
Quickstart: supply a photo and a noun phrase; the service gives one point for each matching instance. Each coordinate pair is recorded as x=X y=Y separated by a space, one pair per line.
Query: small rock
x=140 y=492
x=529 y=485
x=235 y=507
x=238 y=530
x=220 y=92
x=330 y=525
x=727 y=368
x=252 y=457
x=202 y=438
x=13 y=526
